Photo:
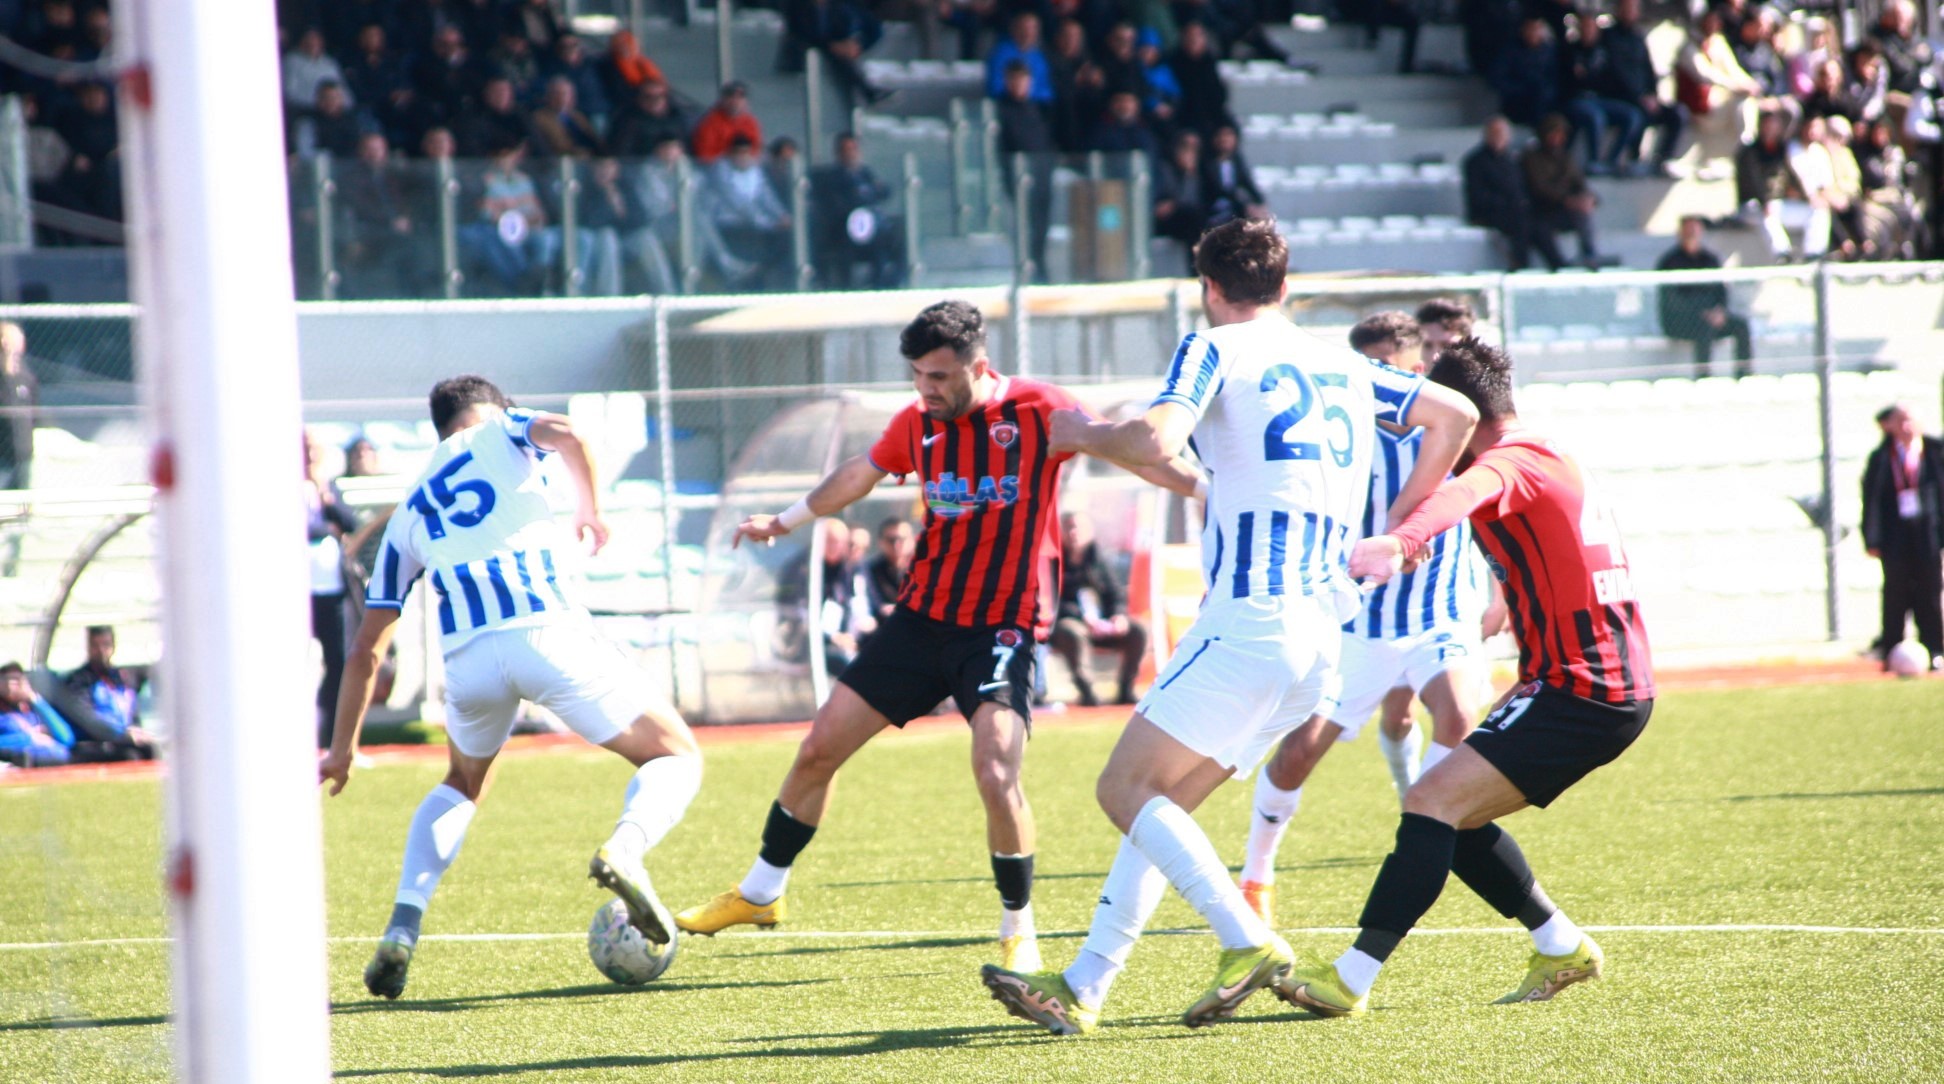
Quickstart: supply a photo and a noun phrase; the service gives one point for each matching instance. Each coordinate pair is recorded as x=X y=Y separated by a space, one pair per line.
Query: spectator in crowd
x=885 y=572
x=330 y=522
x=32 y=733
x=1719 y=96
x=1862 y=230
x=1771 y=192
x=533 y=22
x=513 y=60
x=725 y=122
x=1162 y=92
x=508 y=235
x=780 y=166
x=1204 y=95
x=1635 y=80
x=658 y=185
x=753 y=223
x=1490 y=28
x=328 y=128
x=1754 y=49
x=617 y=226
x=376 y=78
x=494 y=123
x=1090 y=614
x=1120 y=62
x=1228 y=180
x=1527 y=77
x=19 y=398
x=568 y=60
x=1819 y=45
x=837 y=612
x=1402 y=14
x=1495 y=198
x=360 y=461
x=1124 y=129
x=850 y=211
x=971 y=18
x=1903 y=527
x=559 y=128
x=842 y=31
x=1022 y=44
x=1815 y=174
x=306 y=67
x=627 y=70
x=1881 y=163
x=1442 y=321
x=1561 y=198
x=1829 y=93
x=1599 y=98
x=1079 y=87
x=377 y=253
x=102 y=702
x=1906 y=53
x=447 y=76
x=1026 y=135
x=1180 y=202
x=650 y=117
x=92 y=183
x=1867 y=82
x=1698 y=312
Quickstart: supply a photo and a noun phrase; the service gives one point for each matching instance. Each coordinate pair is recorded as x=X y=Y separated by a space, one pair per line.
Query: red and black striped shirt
x=1553 y=545
x=991 y=507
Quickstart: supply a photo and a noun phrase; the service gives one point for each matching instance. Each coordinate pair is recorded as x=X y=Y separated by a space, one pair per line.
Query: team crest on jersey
x=1004 y=433
x=1008 y=638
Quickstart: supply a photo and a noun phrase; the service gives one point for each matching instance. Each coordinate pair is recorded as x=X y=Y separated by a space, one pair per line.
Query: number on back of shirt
x=1276 y=444
x=439 y=500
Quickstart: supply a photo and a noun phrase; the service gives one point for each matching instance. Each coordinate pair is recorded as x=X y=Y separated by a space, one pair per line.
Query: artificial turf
x=1811 y=806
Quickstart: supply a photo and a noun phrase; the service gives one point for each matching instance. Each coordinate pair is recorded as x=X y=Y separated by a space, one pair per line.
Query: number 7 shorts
x=1249 y=671
x=912 y=663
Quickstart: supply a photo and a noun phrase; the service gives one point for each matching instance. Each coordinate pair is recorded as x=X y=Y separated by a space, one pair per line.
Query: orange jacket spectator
x=729 y=118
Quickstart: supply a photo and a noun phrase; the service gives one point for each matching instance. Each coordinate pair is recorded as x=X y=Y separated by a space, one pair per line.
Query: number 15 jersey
x=478 y=526
x=1285 y=426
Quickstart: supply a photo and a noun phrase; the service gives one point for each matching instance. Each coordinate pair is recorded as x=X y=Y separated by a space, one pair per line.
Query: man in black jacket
x=1026 y=134
x=1495 y=197
x=1903 y=527
x=645 y=123
x=1698 y=312
x=1090 y=613
x=1635 y=79
x=847 y=210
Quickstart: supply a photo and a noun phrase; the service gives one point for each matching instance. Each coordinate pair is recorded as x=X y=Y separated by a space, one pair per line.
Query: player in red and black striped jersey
x=979 y=594
x=1586 y=691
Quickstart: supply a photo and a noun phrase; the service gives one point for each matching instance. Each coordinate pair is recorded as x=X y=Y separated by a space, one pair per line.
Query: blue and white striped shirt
x=1452 y=585
x=478 y=527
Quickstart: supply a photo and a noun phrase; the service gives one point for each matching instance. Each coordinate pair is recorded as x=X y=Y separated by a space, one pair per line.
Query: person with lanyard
x=1903 y=527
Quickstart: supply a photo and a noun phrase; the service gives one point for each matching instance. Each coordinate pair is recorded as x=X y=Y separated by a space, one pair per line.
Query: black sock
x=1491 y=864
x=784 y=837
x=406 y=916
x=1013 y=873
x=1407 y=885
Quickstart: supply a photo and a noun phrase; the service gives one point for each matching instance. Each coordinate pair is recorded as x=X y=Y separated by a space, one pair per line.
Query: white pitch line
x=974 y=935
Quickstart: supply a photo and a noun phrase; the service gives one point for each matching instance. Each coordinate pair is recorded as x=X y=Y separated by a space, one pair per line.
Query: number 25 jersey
x=1285 y=426
x=479 y=528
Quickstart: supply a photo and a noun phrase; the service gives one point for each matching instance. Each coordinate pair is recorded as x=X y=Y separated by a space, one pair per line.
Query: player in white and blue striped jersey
x=1284 y=424
x=478 y=529
x=1419 y=633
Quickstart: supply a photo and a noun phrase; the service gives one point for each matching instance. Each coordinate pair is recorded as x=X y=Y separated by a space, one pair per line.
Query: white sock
x=1402 y=756
x=765 y=883
x=1014 y=923
x=1274 y=807
x=1132 y=891
x=658 y=794
x=438 y=828
x=1171 y=839
x=1558 y=936
x=1358 y=970
x=1433 y=753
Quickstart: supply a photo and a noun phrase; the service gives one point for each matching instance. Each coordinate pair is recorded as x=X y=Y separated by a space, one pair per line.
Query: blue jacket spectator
x=1023 y=45
x=32 y=733
x=112 y=692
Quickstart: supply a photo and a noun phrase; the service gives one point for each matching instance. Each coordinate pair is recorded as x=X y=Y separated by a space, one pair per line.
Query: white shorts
x=569 y=669
x=1249 y=671
x=1371 y=668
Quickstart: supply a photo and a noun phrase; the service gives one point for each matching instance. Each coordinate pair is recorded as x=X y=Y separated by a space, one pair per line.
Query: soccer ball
x=1907 y=660
x=620 y=952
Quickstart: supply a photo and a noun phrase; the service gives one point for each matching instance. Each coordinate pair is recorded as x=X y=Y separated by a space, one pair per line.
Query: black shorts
x=912 y=662
x=1545 y=740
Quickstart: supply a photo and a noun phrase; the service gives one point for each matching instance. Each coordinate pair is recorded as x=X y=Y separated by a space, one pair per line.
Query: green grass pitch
x=1811 y=806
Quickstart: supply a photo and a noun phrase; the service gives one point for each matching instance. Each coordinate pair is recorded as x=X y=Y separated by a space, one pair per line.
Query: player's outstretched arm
x=1447 y=419
x=1152 y=440
x=852 y=479
x=354 y=693
x=1175 y=475
x=555 y=433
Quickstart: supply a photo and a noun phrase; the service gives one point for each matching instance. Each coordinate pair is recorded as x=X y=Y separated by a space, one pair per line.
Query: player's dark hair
x=1450 y=312
x=1246 y=258
x=1480 y=373
x=957 y=324
x=450 y=398
x=1392 y=326
x=100 y=630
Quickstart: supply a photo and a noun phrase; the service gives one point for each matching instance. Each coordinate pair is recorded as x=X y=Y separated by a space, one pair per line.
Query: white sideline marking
x=899 y=935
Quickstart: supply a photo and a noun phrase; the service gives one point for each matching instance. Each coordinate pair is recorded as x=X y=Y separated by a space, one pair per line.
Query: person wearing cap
x=728 y=119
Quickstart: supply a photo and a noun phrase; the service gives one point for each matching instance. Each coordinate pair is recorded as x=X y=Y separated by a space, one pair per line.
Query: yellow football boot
x=729 y=909
x=1546 y=975
x=1240 y=972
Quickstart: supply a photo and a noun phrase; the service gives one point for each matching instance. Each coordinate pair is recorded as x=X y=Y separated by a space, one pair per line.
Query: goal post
x=216 y=345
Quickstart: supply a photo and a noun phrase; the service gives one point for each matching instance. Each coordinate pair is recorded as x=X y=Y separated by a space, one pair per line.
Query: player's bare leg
x=1278 y=794
x=998 y=754
x=1401 y=740
x=668 y=772
x=1447 y=697
x=842 y=726
x=438 y=829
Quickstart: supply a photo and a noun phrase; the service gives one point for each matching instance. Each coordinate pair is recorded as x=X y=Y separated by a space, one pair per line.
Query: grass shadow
x=1908 y=792
x=873 y=945
x=65 y=1023
x=593 y=989
x=985 y=880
